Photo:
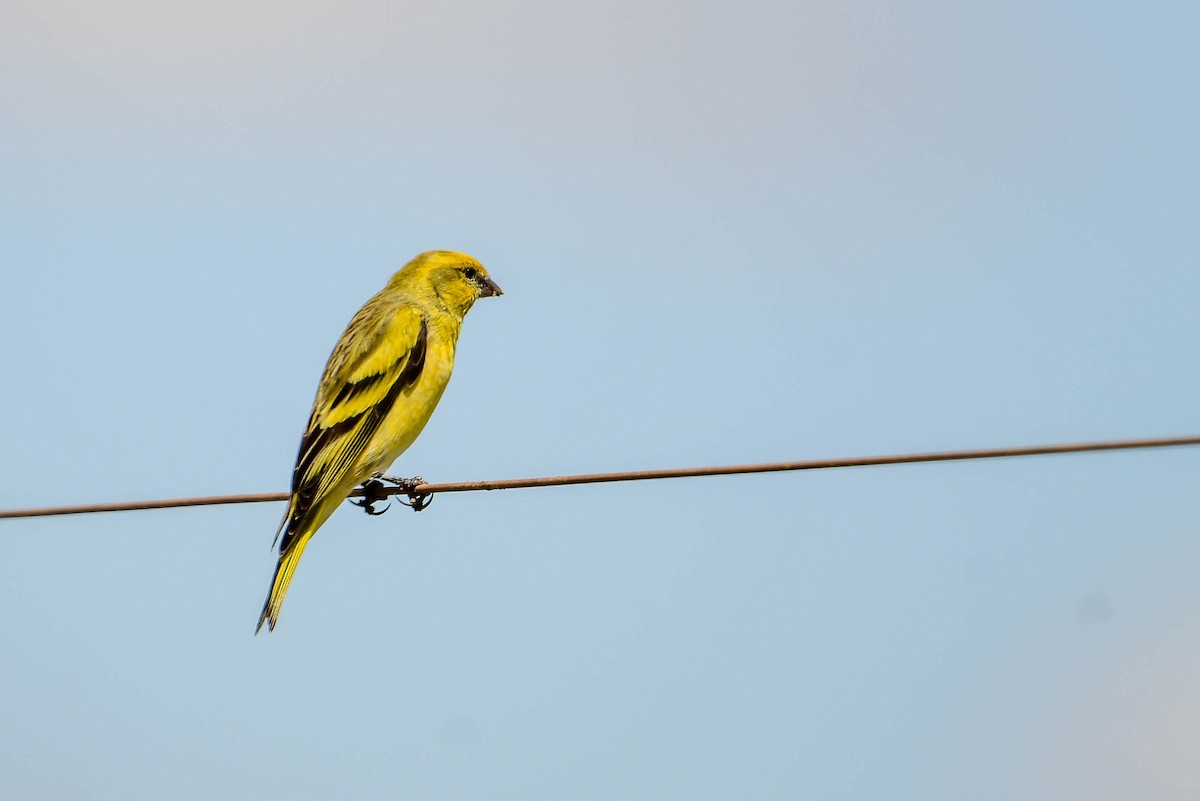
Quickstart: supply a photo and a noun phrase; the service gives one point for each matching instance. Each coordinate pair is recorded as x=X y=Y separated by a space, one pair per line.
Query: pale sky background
x=727 y=233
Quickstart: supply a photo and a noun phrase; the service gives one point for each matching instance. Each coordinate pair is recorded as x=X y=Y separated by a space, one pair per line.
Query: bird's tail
x=279 y=585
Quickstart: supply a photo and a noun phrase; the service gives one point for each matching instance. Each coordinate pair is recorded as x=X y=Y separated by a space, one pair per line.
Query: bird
x=380 y=386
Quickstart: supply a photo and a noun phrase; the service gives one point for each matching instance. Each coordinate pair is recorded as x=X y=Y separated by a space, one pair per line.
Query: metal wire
x=425 y=490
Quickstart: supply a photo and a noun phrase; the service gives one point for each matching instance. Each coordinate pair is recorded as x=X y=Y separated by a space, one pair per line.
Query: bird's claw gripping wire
x=416 y=500
x=373 y=494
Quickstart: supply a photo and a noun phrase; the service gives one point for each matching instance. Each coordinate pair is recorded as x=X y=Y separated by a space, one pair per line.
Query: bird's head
x=455 y=280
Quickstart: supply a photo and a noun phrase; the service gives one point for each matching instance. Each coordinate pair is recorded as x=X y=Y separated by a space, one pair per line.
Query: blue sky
x=768 y=231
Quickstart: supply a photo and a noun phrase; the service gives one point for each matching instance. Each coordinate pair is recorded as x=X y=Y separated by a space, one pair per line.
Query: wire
x=425 y=490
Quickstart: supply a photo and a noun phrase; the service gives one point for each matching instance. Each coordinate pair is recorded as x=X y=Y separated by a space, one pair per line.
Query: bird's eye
x=471 y=273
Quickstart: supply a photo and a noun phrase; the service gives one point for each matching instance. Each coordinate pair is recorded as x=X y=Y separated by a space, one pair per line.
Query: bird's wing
x=381 y=354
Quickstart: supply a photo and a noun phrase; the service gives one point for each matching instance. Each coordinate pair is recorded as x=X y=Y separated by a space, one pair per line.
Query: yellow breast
x=413 y=408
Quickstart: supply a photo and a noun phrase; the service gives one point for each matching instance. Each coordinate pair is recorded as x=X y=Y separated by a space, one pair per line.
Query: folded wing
x=365 y=378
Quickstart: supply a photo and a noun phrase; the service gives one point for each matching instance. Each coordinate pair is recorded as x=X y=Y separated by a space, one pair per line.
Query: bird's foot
x=407 y=486
x=372 y=494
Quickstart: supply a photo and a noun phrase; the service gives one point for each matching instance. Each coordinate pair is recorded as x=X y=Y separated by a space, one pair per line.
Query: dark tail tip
x=265 y=617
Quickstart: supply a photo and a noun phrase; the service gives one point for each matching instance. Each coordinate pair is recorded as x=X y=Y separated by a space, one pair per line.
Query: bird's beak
x=490 y=289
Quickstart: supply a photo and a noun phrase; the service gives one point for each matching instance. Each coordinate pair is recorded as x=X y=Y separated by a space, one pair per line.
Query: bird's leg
x=416 y=501
x=372 y=494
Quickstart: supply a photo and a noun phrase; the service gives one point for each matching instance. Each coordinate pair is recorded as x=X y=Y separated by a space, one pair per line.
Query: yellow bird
x=380 y=386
